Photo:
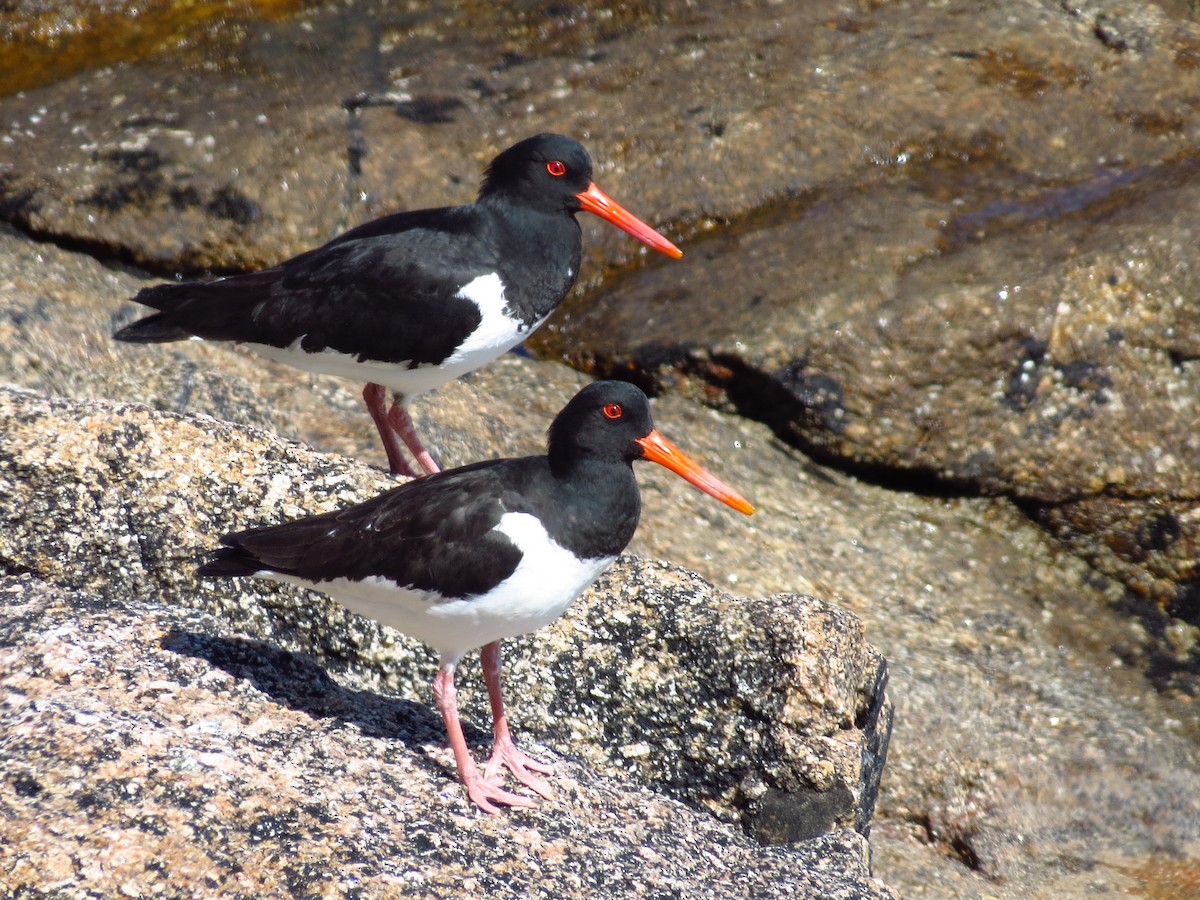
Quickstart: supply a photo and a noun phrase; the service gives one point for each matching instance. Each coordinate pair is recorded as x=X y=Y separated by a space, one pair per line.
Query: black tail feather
x=161 y=326
x=230 y=562
x=153 y=329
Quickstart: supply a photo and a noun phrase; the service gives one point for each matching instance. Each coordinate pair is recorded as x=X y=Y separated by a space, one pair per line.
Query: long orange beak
x=598 y=203
x=657 y=448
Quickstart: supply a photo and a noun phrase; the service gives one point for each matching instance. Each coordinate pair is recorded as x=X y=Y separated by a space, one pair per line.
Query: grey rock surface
x=153 y=752
x=868 y=177
x=1023 y=720
x=943 y=243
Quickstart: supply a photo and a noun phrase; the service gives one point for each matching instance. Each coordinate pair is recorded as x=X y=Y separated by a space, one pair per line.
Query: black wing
x=435 y=533
x=385 y=291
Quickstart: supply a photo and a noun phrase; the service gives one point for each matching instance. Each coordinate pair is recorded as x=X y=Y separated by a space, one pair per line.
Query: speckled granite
x=768 y=712
x=151 y=751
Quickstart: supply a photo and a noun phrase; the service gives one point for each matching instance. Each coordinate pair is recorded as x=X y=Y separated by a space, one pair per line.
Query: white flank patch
x=497 y=333
x=546 y=582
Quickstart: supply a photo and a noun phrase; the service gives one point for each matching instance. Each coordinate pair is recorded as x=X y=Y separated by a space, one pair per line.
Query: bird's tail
x=160 y=327
x=155 y=329
x=230 y=562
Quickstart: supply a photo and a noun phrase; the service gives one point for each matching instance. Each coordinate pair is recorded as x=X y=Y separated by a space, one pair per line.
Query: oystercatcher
x=477 y=554
x=413 y=300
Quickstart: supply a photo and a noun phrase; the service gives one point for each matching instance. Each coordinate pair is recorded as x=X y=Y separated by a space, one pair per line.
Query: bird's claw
x=485 y=793
x=506 y=754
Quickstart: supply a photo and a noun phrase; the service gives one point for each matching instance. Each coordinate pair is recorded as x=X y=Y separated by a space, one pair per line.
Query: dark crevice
x=15 y=569
x=112 y=256
x=755 y=395
x=957 y=844
x=795 y=418
x=966 y=854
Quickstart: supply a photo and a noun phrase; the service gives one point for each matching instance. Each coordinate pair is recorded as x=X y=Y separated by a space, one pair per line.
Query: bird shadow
x=300 y=683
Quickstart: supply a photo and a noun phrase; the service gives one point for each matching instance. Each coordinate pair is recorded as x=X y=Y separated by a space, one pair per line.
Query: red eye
x=556 y=168
x=613 y=410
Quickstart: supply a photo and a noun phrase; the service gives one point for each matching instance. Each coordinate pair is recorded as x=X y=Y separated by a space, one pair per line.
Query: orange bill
x=598 y=203
x=657 y=448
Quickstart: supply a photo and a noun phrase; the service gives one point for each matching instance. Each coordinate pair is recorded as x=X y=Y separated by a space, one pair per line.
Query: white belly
x=545 y=583
x=497 y=333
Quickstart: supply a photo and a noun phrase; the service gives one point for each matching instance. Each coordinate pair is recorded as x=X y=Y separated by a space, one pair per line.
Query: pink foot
x=484 y=789
x=485 y=792
x=507 y=755
x=504 y=751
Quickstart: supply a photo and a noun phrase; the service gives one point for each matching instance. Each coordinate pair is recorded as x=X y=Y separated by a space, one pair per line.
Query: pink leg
x=482 y=789
x=402 y=424
x=504 y=751
x=375 y=396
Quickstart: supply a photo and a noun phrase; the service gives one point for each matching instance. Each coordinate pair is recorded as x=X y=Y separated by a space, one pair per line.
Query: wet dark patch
x=1186 y=602
x=1160 y=534
x=184 y=197
x=819 y=395
x=234 y=206
x=1087 y=376
x=1030 y=206
x=1152 y=122
x=961 y=847
x=16 y=200
x=116 y=197
x=429 y=110
x=784 y=817
x=1188 y=57
x=1029 y=78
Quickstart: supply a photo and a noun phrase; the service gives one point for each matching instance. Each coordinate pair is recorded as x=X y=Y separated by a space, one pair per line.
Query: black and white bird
x=413 y=300
x=473 y=555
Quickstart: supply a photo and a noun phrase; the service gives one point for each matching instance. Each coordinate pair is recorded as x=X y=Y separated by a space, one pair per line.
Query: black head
x=546 y=172
x=553 y=174
x=603 y=421
x=609 y=422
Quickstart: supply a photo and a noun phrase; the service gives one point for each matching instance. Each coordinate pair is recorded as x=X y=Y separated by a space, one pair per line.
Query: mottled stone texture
x=788 y=720
x=941 y=251
x=947 y=244
x=151 y=751
x=769 y=713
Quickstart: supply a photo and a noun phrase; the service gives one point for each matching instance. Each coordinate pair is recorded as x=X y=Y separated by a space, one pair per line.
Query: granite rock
x=786 y=699
x=152 y=751
x=944 y=245
x=829 y=160
x=1028 y=754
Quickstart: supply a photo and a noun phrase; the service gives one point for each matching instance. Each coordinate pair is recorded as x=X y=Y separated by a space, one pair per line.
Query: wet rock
x=973 y=314
x=43 y=42
x=823 y=162
x=1064 y=386
x=154 y=750
x=965 y=598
